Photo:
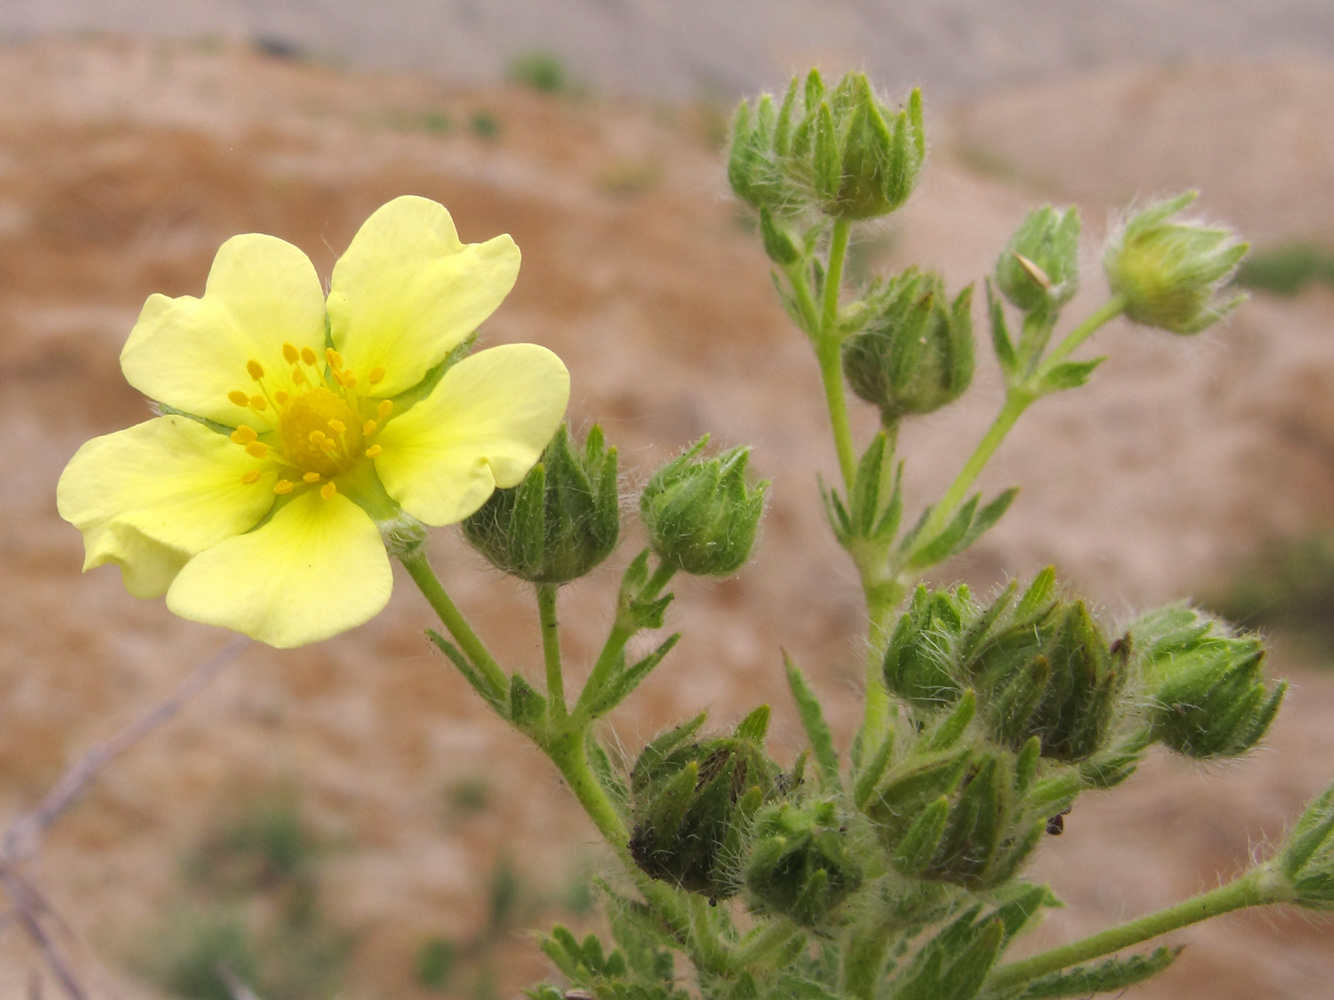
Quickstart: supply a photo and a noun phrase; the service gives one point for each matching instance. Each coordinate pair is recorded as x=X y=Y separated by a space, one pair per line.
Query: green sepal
x=813 y=721
x=1306 y=859
x=1067 y=375
x=911 y=787
x=955 y=963
x=527 y=708
x=920 y=843
x=778 y=242
x=868 y=776
x=948 y=731
x=632 y=610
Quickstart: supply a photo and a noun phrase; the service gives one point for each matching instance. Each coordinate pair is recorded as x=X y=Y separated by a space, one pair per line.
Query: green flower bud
x=1053 y=677
x=561 y=521
x=1307 y=858
x=953 y=817
x=1039 y=268
x=1208 y=695
x=914 y=353
x=700 y=516
x=693 y=803
x=1169 y=272
x=919 y=655
x=799 y=865
x=754 y=166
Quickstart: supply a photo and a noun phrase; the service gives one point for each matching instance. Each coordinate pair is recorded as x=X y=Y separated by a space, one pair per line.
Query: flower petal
x=482 y=427
x=317 y=568
x=407 y=292
x=166 y=484
x=190 y=353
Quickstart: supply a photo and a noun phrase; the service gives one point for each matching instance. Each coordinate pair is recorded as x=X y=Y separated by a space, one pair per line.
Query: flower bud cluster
x=842 y=152
x=1169 y=271
x=914 y=352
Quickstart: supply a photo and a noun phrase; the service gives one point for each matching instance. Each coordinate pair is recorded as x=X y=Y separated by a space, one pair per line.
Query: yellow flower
x=294 y=428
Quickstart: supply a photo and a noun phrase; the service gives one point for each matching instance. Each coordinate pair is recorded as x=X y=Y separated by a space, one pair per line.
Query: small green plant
x=1287 y=269
x=539 y=70
x=434 y=965
x=1287 y=585
x=484 y=124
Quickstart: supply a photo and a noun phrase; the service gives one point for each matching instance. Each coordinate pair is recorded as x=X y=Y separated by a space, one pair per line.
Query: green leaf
x=626 y=679
x=527 y=708
x=499 y=700
x=1000 y=334
x=869 y=776
x=948 y=541
x=1104 y=977
x=1067 y=375
x=817 y=730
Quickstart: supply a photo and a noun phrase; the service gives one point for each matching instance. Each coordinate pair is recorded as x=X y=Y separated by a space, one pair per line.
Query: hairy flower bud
x=799 y=865
x=1306 y=860
x=693 y=802
x=561 y=521
x=1039 y=268
x=918 y=657
x=1169 y=272
x=700 y=515
x=914 y=353
x=1207 y=688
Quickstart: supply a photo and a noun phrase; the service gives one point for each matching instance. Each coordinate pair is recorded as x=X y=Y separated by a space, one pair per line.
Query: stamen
x=250 y=477
x=311 y=477
x=329 y=445
x=298 y=376
x=243 y=435
x=255 y=369
x=385 y=408
x=317 y=437
x=257 y=449
x=373 y=450
x=281 y=397
x=335 y=359
x=238 y=397
x=283 y=486
x=328 y=490
x=290 y=354
x=349 y=379
x=259 y=403
x=375 y=375
x=338 y=426
x=308 y=356
x=368 y=428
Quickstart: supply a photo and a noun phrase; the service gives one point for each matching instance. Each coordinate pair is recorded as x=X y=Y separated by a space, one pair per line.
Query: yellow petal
x=191 y=353
x=407 y=291
x=146 y=567
x=317 y=568
x=483 y=426
x=169 y=481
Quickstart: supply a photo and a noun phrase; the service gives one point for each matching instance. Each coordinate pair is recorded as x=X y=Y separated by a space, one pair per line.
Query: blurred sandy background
x=415 y=820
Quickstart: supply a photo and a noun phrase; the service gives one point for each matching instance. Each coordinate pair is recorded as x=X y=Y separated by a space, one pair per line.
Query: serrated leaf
x=946 y=543
x=626 y=679
x=817 y=730
x=1104 y=977
x=988 y=516
x=1068 y=375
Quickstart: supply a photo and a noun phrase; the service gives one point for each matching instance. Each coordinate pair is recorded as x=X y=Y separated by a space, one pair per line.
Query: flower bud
x=799 y=865
x=561 y=521
x=700 y=516
x=1169 y=272
x=918 y=656
x=1307 y=858
x=693 y=803
x=915 y=352
x=754 y=166
x=1053 y=677
x=1210 y=699
x=1039 y=268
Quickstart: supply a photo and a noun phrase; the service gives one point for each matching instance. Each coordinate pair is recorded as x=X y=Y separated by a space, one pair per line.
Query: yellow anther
x=283 y=486
x=349 y=379
x=329 y=445
x=375 y=375
x=255 y=369
x=238 y=397
x=257 y=449
x=385 y=408
x=317 y=436
x=259 y=403
x=335 y=359
x=280 y=397
x=373 y=450
x=308 y=356
x=311 y=477
x=298 y=376
x=243 y=435
x=338 y=426
x=368 y=428
x=328 y=490
x=250 y=477
x=290 y=354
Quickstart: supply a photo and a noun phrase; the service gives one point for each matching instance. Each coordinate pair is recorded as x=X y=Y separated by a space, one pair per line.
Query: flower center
x=320 y=428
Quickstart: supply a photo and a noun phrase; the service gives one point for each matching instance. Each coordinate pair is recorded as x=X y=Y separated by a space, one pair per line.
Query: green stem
x=452 y=618
x=1016 y=401
x=546 y=609
x=828 y=351
x=1256 y=888
x=801 y=291
x=1109 y=311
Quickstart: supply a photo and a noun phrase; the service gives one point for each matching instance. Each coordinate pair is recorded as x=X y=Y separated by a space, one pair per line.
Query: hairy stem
x=1112 y=308
x=546 y=609
x=452 y=618
x=828 y=346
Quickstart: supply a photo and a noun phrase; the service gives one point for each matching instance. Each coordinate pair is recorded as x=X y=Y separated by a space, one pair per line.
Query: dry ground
x=123 y=166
